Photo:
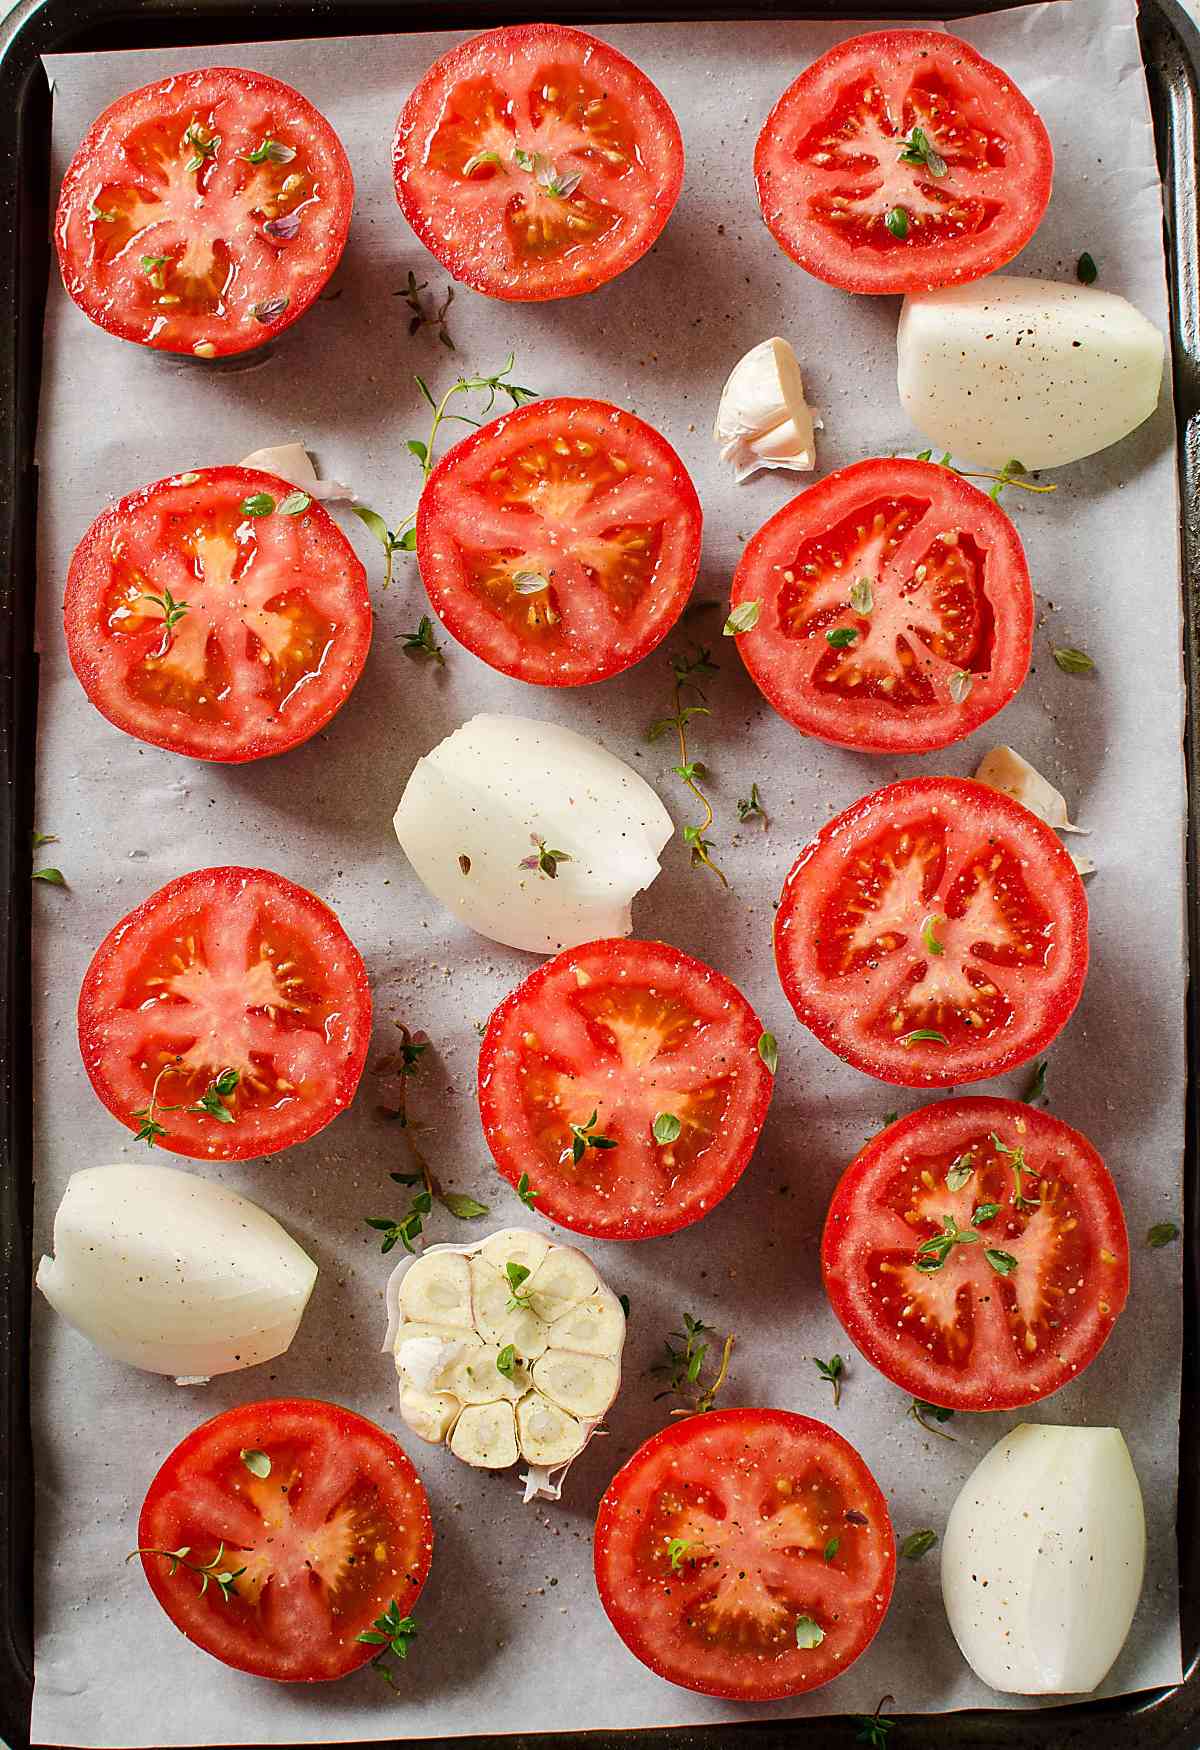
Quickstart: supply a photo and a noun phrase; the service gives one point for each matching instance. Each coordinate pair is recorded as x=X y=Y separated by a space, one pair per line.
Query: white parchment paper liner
x=512 y=1636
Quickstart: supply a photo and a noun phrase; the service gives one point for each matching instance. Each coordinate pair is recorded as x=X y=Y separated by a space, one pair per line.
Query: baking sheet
x=512 y=1636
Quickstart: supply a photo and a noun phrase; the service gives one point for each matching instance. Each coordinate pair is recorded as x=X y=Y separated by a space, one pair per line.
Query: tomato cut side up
x=335 y=1534
x=578 y=1063
x=203 y=213
x=560 y=542
x=536 y=162
x=1021 y=1304
x=226 y=970
x=211 y=631
x=895 y=608
x=746 y=1554
x=934 y=933
x=900 y=161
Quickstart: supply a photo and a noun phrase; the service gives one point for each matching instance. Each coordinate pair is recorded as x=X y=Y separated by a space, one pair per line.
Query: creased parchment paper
x=512 y=1636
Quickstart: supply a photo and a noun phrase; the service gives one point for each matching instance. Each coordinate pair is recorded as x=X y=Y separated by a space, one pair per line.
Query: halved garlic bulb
x=506 y=1349
x=763 y=420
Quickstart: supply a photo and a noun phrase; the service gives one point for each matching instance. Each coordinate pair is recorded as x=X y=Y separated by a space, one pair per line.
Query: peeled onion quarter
x=172 y=1273
x=1043 y=1557
x=476 y=805
x=1033 y=371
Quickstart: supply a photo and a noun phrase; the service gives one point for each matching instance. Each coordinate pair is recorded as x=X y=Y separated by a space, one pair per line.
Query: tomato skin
x=507 y=1061
x=1023 y=158
x=1005 y=1379
x=724 y=1450
x=960 y=803
x=578 y=658
x=783 y=667
x=232 y=1631
x=325 y=563
x=344 y=1018
x=112 y=307
x=452 y=220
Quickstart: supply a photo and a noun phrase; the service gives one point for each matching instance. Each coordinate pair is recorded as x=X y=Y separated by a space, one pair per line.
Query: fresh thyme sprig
x=403 y=538
x=544 y=860
x=874 y=1728
x=420 y=317
x=1012 y=474
x=392 y=1633
x=687 y=671
x=210 y=1573
x=919 y=1408
x=585 y=1136
x=834 y=1371
x=751 y=808
x=422 y=644
x=211 y=1104
x=1019 y=1169
x=684 y=1368
x=172 y=613
x=405 y=1230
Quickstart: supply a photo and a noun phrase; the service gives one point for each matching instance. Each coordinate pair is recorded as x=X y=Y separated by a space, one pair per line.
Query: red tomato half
x=937 y=634
x=934 y=933
x=209 y=631
x=335 y=1534
x=901 y=161
x=227 y=970
x=203 y=213
x=1021 y=1305
x=536 y=162
x=620 y=1032
x=746 y=1554
x=560 y=542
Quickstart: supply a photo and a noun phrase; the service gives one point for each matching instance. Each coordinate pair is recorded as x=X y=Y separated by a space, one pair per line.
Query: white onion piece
x=475 y=804
x=172 y=1273
x=1008 y=368
x=292 y=462
x=1043 y=1557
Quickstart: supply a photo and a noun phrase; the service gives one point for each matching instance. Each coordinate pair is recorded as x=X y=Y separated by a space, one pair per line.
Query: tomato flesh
x=227 y=969
x=337 y=1531
x=727 y=1535
x=273 y=626
x=204 y=213
x=895 y=608
x=623 y=1031
x=934 y=933
x=536 y=162
x=964 y=1333
x=835 y=163
x=560 y=542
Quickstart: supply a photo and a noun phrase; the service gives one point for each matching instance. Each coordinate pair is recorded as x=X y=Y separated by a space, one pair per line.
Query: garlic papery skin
x=559 y=1332
x=172 y=1273
x=293 y=463
x=763 y=420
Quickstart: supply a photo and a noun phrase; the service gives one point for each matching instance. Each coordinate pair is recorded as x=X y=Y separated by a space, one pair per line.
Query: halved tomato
x=536 y=162
x=203 y=213
x=231 y=989
x=900 y=161
x=895 y=610
x=315 y=1518
x=934 y=933
x=623 y=1080
x=976 y=1253
x=561 y=541
x=745 y=1553
x=220 y=614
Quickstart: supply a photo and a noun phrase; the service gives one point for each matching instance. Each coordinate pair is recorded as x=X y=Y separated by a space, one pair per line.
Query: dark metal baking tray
x=1162 y=1719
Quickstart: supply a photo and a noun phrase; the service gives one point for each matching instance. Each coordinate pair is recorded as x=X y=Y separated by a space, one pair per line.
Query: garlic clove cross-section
x=506 y=1349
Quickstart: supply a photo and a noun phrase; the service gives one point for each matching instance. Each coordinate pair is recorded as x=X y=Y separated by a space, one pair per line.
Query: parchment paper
x=512 y=1636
